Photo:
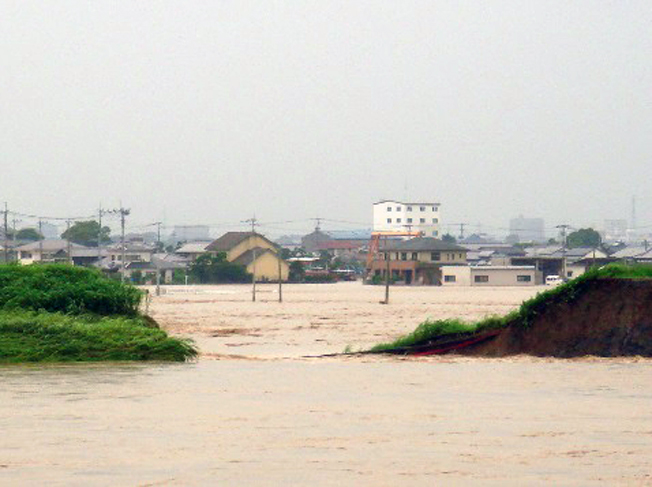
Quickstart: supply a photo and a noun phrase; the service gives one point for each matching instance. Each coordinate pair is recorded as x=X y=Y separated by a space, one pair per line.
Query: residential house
x=392 y=215
x=48 y=251
x=416 y=261
x=192 y=250
x=258 y=254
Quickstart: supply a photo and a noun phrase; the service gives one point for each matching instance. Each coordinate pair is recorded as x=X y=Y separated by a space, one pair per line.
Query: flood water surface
x=316 y=422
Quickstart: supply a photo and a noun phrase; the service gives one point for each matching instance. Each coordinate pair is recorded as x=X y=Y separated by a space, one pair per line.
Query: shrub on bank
x=66 y=289
x=28 y=336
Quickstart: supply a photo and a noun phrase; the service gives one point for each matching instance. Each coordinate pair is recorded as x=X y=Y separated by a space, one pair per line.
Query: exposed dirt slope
x=611 y=318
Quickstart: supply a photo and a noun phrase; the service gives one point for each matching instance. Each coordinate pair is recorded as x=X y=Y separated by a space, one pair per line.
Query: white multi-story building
x=391 y=215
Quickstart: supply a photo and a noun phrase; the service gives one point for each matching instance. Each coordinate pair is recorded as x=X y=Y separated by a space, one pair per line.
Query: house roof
x=426 y=244
x=628 y=252
x=337 y=245
x=49 y=245
x=406 y=203
x=230 y=239
x=193 y=248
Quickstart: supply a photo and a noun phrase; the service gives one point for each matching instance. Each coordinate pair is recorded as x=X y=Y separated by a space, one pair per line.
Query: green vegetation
x=31 y=234
x=523 y=316
x=27 y=336
x=60 y=313
x=87 y=233
x=66 y=289
x=584 y=237
x=215 y=269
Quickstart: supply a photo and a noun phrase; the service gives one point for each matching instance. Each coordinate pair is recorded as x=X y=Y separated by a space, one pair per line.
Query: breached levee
x=607 y=312
x=611 y=318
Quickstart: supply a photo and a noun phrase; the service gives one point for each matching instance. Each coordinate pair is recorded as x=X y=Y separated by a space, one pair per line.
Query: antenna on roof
x=318 y=221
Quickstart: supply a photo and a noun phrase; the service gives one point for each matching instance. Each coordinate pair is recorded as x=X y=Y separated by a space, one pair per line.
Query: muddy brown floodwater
x=251 y=411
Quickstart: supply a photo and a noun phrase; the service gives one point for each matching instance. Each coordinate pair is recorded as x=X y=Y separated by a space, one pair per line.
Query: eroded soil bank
x=613 y=317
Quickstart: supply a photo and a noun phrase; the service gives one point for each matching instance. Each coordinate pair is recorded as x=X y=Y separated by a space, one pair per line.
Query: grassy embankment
x=523 y=316
x=60 y=313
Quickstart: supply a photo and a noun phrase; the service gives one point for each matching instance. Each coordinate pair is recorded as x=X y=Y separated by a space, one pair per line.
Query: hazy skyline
x=209 y=112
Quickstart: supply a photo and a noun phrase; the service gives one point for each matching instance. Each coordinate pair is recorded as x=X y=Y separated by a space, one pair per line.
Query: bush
x=66 y=289
x=27 y=336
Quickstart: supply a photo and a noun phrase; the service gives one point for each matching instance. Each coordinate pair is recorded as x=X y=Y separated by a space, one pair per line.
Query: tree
x=584 y=237
x=448 y=238
x=86 y=233
x=30 y=234
x=297 y=271
x=208 y=268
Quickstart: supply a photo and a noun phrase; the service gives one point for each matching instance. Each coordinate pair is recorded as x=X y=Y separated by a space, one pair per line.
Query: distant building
x=527 y=229
x=49 y=230
x=392 y=215
x=190 y=233
x=615 y=230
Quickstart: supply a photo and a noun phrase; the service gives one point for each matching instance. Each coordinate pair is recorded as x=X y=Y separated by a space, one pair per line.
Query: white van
x=553 y=280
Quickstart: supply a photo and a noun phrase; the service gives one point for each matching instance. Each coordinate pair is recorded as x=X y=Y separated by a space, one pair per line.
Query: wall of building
x=445 y=257
x=488 y=276
x=267 y=268
x=417 y=217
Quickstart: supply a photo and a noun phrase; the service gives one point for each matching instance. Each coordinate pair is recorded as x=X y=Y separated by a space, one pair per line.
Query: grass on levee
x=524 y=315
x=27 y=336
x=63 y=313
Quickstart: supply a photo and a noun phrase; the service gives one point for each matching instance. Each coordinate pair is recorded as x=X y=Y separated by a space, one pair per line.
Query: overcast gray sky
x=210 y=111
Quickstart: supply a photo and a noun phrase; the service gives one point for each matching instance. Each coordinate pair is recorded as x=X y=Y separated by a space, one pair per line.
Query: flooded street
x=255 y=413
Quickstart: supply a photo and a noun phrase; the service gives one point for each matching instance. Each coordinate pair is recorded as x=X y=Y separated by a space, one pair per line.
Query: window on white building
x=450 y=278
x=422 y=208
x=389 y=208
x=523 y=278
x=481 y=279
x=422 y=220
x=398 y=208
x=435 y=220
x=398 y=220
x=409 y=220
x=409 y=208
x=389 y=220
x=435 y=256
x=434 y=208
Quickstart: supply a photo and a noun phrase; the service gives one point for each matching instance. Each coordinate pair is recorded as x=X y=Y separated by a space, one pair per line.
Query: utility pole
x=99 y=236
x=69 y=244
x=462 y=225
x=280 y=279
x=13 y=238
x=253 y=275
x=564 y=243
x=158 y=235
x=123 y=213
x=6 y=234
x=40 y=242
x=387 y=259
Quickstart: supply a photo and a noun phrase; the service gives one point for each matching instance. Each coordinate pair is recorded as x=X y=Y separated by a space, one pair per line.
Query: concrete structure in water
x=392 y=215
x=254 y=251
